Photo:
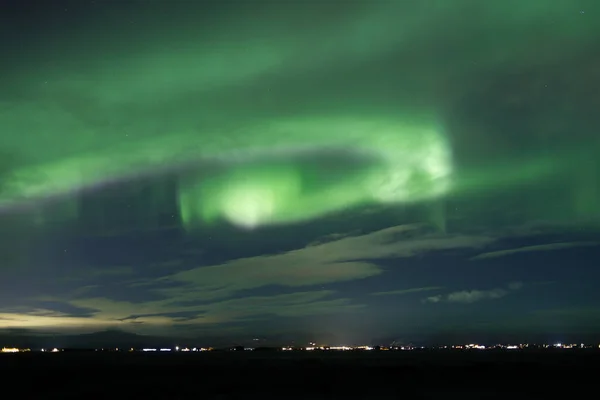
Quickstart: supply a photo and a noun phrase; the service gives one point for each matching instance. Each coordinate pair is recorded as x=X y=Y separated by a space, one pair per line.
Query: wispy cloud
x=205 y=295
x=349 y=258
x=407 y=291
x=472 y=296
x=333 y=237
x=168 y=313
x=528 y=249
x=515 y=285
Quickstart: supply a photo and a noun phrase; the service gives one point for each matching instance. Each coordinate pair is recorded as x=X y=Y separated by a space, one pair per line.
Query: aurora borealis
x=300 y=146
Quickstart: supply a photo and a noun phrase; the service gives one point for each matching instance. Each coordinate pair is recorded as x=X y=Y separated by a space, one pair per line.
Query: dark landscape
x=299 y=375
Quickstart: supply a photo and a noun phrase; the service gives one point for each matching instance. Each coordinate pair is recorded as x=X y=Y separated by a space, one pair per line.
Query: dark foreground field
x=247 y=375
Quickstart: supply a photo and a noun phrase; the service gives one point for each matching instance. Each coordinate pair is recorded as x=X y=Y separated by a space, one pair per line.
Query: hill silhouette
x=112 y=338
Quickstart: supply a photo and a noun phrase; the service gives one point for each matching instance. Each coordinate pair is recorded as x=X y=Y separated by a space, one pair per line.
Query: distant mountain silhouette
x=110 y=339
x=114 y=338
x=103 y=339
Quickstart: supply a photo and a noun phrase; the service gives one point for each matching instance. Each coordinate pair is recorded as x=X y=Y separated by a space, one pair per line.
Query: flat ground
x=365 y=375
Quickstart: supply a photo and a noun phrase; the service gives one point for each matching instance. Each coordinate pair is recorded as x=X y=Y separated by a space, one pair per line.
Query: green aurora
x=264 y=124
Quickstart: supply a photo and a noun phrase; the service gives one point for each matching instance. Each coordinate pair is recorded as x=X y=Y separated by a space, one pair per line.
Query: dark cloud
x=472 y=296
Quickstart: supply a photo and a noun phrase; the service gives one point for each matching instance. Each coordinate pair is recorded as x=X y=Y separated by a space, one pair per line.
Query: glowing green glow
x=387 y=161
x=251 y=109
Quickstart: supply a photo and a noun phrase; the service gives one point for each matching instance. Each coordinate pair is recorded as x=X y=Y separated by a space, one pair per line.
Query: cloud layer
x=472 y=296
x=206 y=296
x=530 y=249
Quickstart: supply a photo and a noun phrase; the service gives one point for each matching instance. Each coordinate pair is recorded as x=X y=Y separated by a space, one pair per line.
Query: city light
x=343 y=348
x=9 y=350
x=475 y=346
x=337 y=348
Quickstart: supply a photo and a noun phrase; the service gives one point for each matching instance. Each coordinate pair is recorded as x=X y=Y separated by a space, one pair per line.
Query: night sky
x=355 y=169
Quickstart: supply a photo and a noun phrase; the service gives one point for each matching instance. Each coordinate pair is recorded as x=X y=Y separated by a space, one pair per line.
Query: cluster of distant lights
x=314 y=347
x=334 y=348
x=19 y=350
x=167 y=350
x=470 y=346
